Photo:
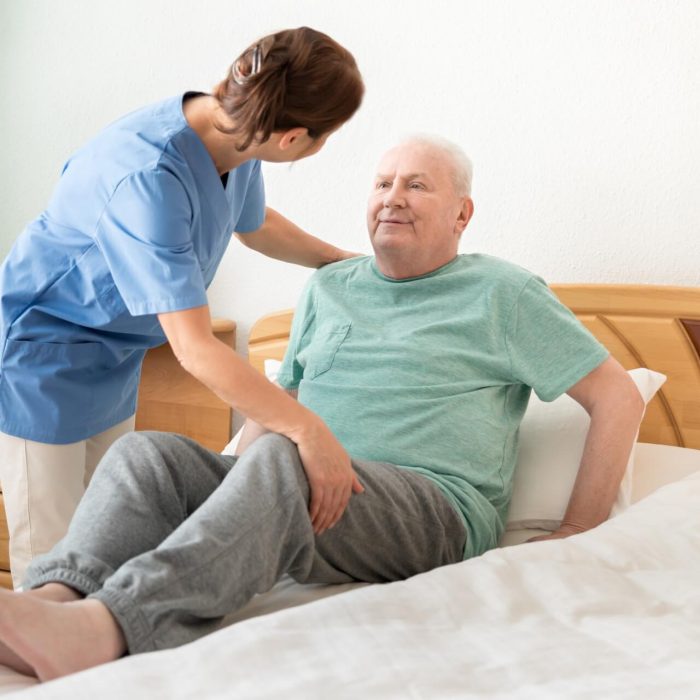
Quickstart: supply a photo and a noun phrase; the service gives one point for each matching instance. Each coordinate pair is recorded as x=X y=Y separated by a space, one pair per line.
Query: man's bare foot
x=54 y=639
x=58 y=592
x=9 y=658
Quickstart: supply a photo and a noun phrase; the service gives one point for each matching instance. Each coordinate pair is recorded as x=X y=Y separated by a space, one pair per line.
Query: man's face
x=413 y=212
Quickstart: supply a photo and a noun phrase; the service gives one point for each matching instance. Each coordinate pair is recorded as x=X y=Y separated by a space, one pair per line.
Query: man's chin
x=394 y=235
x=389 y=245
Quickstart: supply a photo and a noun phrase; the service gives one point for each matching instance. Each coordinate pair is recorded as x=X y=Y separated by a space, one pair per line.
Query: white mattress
x=614 y=612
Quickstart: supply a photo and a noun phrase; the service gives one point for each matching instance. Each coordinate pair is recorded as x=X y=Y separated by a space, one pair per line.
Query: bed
x=613 y=612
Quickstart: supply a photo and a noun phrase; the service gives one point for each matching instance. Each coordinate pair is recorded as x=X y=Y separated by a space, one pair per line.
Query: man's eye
x=416 y=186
x=382 y=185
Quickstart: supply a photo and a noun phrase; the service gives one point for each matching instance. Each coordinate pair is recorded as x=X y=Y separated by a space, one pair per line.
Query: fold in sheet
x=613 y=612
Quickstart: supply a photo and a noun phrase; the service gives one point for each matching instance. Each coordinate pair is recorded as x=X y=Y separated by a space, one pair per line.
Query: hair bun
x=278 y=81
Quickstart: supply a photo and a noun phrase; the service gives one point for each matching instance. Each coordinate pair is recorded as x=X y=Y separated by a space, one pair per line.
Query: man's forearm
x=606 y=452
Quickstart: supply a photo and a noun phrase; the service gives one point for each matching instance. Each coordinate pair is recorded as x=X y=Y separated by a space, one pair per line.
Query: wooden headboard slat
x=629 y=360
x=630 y=299
x=692 y=329
x=651 y=322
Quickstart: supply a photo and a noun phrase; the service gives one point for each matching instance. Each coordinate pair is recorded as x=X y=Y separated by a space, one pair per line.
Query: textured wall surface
x=581 y=118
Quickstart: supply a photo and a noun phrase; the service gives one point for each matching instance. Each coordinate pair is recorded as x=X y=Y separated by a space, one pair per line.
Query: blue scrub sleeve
x=252 y=214
x=145 y=237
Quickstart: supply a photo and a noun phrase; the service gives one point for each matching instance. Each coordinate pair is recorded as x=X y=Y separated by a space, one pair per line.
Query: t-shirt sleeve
x=145 y=236
x=291 y=371
x=548 y=347
x=252 y=214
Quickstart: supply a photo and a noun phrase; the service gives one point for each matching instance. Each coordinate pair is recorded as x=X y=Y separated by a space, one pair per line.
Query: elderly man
x=421 y=361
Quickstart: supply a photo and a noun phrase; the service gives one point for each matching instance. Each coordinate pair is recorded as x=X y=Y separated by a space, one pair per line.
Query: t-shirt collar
x=432 y=273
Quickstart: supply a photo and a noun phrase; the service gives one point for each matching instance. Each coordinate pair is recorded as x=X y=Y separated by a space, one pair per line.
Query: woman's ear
x=291 y=136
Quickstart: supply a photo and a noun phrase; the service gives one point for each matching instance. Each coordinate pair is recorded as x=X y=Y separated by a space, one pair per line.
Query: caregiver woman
x=121 y=258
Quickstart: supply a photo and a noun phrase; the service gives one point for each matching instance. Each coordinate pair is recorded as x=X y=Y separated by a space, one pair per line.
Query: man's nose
x=393 y=197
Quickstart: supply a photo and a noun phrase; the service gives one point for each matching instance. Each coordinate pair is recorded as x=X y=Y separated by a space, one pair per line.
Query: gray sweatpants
x=171 y=536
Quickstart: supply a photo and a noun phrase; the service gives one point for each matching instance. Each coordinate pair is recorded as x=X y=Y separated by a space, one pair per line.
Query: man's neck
x=405 y=269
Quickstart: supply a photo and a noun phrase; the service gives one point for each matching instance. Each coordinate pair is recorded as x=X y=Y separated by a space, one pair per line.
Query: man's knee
x=140 y=444
x=142 y=453
x=277 y=460
x=276 y=447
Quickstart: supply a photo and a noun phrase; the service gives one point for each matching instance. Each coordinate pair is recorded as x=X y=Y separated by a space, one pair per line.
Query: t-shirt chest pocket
x=322 y=352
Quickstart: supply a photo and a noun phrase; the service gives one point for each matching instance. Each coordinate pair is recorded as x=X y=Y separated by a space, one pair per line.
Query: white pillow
x=658 y=465
x=272 y=369
x=552 y=436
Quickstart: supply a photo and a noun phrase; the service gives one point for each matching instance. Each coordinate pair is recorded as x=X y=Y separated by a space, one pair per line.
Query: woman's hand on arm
x=331 y=481
x=331 y=477
x=215 y=364
x=279 y=238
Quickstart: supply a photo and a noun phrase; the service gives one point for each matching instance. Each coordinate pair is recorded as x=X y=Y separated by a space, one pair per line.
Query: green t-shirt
x=433 y=373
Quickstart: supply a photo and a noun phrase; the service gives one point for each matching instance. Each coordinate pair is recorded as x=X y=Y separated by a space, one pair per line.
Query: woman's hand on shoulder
x=345 y=255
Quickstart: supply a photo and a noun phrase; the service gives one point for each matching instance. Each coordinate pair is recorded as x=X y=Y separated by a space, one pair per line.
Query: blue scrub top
x=136 y=226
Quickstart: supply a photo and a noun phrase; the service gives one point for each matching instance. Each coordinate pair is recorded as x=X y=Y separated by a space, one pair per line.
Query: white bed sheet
x=614 y=612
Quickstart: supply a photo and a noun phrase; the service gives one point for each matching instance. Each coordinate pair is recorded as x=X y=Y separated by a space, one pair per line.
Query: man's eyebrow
x=410 y=176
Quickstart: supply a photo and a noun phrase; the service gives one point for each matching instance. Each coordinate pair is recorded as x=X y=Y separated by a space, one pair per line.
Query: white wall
x=582 y=118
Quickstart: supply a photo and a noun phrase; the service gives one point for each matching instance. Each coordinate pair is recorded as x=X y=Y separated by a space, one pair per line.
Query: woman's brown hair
x=294 y=78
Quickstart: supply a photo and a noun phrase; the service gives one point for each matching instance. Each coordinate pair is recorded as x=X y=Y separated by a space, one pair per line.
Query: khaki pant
x=42 y=485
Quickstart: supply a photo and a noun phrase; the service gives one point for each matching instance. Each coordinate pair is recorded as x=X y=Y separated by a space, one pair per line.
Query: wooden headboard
x=641 y=325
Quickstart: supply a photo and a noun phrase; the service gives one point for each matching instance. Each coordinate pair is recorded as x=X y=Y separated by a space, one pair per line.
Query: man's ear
x=465 y=214
x=291 y=136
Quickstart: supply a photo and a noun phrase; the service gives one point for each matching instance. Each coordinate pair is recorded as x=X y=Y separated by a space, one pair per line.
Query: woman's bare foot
x=54 y=639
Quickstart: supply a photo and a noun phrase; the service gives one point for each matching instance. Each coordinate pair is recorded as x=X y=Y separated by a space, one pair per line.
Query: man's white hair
x=462 y=168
